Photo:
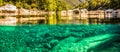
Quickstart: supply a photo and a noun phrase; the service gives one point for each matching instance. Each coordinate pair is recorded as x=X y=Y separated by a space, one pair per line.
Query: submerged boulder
x=82 y=45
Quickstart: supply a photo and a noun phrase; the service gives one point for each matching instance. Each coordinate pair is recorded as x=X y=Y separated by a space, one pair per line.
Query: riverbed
x=60 y=38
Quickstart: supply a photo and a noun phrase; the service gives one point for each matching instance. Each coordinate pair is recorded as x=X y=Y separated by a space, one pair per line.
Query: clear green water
x=60 y=38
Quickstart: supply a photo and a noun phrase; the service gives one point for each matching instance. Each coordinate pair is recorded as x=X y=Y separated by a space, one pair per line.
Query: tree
x=19 y=6
x=94 y=4
x=99 y=3
x=115 y=4
x=26 y=6
x=83 y=5
x=1 y=2
x=34 y=6
x=49 y=6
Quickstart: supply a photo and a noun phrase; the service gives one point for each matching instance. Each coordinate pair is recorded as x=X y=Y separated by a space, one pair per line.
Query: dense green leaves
x=61 y=6
x=53 y=5
x=96 y=4
x=26 y=6
x=47 y=5
x=1 y=2
x=114 y=4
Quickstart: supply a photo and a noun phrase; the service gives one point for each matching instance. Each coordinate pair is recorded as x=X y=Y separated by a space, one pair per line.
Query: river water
x=60 y=38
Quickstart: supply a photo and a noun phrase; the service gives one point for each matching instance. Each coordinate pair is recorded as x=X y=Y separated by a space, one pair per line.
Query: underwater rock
x=83 y=45
x=65 y=42
x=80 y=35
x=47 y=46
x=53 y=43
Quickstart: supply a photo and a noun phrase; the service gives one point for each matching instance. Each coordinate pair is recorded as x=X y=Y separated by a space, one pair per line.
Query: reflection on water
x=60 y=38
x=35 y=19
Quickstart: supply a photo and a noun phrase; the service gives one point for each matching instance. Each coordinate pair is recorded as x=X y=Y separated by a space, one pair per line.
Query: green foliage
x=47 y=5
x=95 y=4
x=19 y=4
x=33 y=6
x=26 y=6
x=1 y=2
x=62 y=6
x=52 y=5
x=115 y=4
x=10 y=2
x=83 y=5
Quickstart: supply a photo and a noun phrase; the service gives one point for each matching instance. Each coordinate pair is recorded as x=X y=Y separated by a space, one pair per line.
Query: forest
x=96 y=4
x=47 y=5
x=53 y=5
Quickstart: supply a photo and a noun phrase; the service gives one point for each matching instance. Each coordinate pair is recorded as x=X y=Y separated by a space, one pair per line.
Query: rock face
x=60 y=38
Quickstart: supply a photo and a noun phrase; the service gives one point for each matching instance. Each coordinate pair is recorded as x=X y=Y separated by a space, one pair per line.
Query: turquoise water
x=60 y=38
